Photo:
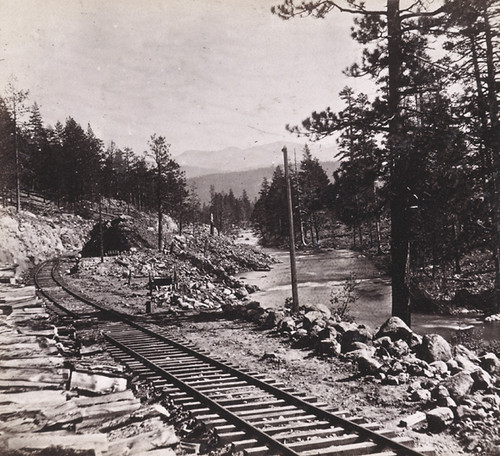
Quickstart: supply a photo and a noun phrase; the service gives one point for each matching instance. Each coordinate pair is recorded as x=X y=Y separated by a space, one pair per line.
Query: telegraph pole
x=293 y=267
x=101 y=240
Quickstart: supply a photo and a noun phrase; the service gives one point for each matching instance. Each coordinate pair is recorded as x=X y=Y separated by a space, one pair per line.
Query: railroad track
x=255 y=414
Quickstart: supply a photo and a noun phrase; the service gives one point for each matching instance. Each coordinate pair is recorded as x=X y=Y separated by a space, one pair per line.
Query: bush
x=343 y=300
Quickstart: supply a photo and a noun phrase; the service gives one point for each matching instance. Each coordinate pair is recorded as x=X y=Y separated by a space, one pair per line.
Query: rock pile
x=195 y=272
x=454 y=386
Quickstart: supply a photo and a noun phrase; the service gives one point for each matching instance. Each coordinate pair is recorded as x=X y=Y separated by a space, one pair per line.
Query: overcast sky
x=205 y=74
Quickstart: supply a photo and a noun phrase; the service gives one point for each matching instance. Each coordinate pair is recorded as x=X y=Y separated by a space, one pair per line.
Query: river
x=319 y=272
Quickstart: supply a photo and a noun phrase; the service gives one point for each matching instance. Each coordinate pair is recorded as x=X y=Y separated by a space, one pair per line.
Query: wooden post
x=101 y=240
x=293 y=267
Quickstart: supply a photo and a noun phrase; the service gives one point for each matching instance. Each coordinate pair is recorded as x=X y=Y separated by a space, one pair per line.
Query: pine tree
x=313 y=185
x=394 y=60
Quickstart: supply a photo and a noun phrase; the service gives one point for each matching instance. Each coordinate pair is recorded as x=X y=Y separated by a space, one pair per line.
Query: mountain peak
x=231 y=159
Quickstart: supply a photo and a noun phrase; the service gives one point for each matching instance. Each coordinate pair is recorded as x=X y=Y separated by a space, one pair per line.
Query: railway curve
x=254 y=414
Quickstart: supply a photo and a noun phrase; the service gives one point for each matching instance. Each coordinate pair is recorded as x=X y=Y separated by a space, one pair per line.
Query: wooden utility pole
x=101 y=240
x=293 y=267
x=18 y=179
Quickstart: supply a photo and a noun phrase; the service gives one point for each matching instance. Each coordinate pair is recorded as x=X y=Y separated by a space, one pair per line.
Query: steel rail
x=368 y=434
x=45 y=293
x=222 y=411
x=378 y=439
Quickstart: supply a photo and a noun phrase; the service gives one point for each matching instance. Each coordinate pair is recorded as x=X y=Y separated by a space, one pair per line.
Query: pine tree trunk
x=495 y=147
x=377 y=235
x=398 y=204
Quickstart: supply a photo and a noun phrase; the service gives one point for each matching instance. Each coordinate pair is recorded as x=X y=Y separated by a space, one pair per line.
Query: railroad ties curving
x=255 y=414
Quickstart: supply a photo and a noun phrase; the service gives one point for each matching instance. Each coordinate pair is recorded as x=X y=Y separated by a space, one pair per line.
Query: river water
x=320 y=272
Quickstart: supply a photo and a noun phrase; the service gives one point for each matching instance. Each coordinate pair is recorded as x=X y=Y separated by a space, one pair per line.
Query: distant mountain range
x=244 y=169
x=233 y=159
x=250 y=180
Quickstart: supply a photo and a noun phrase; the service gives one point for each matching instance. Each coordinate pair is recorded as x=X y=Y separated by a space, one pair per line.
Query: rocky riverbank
x=454 y=388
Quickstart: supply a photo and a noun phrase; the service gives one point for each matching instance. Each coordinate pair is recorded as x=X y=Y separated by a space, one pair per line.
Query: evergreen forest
x=419 y=179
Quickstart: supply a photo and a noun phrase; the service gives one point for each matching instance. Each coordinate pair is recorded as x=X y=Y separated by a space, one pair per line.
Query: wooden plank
x=352 y=449
x=255 y=405
x=163 y=436
x=97 y=383
x=296 y=434
x=110 y=409
x=157 y=452
x=49 y=398
x=256 y=451
x=104 y=399
x=35 y=361
x=241 y=445
x=27 y=384
x=315 y=444
x=284 y=420
x=41 y=374
x=22 y=424
x=42 y=440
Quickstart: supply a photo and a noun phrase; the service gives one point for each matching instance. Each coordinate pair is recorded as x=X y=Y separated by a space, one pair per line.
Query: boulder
x=241 y=293
x=440 y=367
x=465 y=363
x=312 y=317
x=384 y=342
x=464 y=411
x=329 y=346
x=397 y=367
x=251 y=288
x=482 y=380
x=395 y=328
x=399 y=348
x=367 y=364
x=342 y=326
x=490 y=363
x=464 y=351
x=459 y=385
x=356 y=346
x=493 y=399
x=412 y=420
x=435 y=348
x=447 y=402
x=324 y=310
x=439 y=419
x=421 y=395
x=319 y=308
x=440 y=392
x=287 y=324
x=360 y=334
x=453 y=366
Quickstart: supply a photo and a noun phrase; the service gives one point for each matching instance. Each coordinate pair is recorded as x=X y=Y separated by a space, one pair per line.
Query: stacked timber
x=7 y=273
x=50 y=402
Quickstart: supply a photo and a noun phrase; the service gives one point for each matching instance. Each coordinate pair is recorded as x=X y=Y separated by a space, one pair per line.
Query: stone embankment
x=61 y=397
x=454 y=387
